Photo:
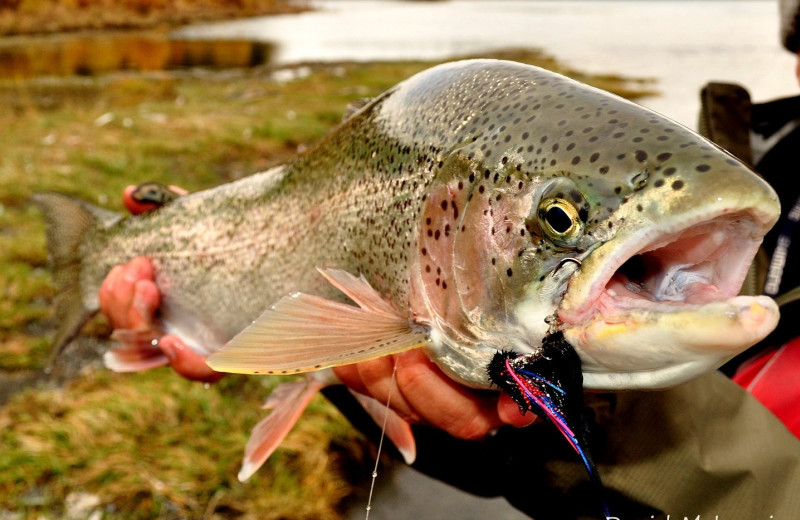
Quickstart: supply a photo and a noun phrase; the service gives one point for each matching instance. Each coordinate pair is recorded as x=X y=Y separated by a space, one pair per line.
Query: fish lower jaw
x=667 y=345
x=647 y=379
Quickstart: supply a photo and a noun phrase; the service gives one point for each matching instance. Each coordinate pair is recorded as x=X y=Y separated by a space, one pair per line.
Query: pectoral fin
x=303 y=333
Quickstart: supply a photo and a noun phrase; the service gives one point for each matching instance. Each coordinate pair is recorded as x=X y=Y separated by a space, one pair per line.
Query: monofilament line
x=380 y=443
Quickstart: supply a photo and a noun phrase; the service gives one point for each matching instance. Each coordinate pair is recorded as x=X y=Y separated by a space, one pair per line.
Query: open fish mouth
x=702 y=264
x=662 y=307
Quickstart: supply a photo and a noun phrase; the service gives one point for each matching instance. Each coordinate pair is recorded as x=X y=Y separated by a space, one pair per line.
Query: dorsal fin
x=354 y=106
x=303 y=333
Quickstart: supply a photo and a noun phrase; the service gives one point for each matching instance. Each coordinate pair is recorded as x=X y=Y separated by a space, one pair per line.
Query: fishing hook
x=564 y=261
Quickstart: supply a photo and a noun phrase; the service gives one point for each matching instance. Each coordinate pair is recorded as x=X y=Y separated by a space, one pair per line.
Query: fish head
x=656 y=301
x=652 y=247
x=570 y=209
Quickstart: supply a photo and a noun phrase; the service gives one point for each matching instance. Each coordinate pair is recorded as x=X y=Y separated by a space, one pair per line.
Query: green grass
x=153 y=445
x=147 y=444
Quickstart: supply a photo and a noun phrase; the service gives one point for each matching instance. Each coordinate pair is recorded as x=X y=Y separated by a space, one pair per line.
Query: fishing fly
x=549 y=384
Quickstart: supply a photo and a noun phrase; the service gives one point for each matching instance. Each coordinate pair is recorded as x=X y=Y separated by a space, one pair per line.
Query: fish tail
x=68 y=223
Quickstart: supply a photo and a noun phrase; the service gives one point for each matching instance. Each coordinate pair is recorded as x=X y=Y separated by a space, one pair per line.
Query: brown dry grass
x=50 y=16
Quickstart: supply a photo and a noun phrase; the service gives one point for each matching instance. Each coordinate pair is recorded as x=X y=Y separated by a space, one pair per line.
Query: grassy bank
x=53 y=16
x=152 y=445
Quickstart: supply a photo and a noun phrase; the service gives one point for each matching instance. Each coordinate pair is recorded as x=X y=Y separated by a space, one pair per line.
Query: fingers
x=185 y=361
x=509 y=413
x=423 y=394
x=130 y=299
x=133 y=205
x=137 y=207
x=129 y=296
x=463 y=412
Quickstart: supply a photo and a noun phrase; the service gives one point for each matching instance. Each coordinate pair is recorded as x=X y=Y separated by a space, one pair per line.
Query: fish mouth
x=702 y=264
x=663 y=307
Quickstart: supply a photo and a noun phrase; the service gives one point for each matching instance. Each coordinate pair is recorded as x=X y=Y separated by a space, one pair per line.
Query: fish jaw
x=658 y=305
x=646 y=349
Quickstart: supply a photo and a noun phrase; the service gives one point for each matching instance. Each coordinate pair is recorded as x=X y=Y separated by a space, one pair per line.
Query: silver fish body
x=489 y=203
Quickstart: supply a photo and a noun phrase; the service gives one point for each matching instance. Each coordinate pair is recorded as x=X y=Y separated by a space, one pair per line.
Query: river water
x=682 y=44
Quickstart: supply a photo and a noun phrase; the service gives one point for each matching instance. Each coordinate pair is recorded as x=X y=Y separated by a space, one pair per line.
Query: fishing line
x=383 y=435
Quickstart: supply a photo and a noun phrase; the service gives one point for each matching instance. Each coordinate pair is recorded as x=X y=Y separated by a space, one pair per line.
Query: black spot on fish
x=703 y=168
x=677 y=185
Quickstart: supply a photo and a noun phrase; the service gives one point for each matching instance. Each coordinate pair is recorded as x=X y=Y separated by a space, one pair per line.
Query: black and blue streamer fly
x=550 y=384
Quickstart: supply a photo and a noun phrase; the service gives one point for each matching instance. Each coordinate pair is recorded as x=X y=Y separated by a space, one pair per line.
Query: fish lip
x=725 y=239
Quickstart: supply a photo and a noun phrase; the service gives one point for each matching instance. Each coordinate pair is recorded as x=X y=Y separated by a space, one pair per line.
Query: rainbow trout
x=473 y=209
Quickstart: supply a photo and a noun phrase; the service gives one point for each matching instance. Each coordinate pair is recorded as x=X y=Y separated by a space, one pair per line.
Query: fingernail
x=168 y=351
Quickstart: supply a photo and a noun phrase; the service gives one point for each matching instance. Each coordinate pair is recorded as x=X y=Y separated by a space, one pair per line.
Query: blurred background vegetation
x=54 y=16
x=82 y=442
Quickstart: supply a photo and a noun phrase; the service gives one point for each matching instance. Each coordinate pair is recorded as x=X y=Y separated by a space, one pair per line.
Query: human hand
x=130 y=299
x=149 y=196
x=422 y=393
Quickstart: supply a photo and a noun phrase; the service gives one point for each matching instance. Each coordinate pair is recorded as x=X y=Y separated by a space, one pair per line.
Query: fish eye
x=560 y=221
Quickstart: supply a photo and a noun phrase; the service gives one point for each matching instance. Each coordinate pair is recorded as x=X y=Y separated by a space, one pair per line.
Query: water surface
x=103 y=52
x=683 y=44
